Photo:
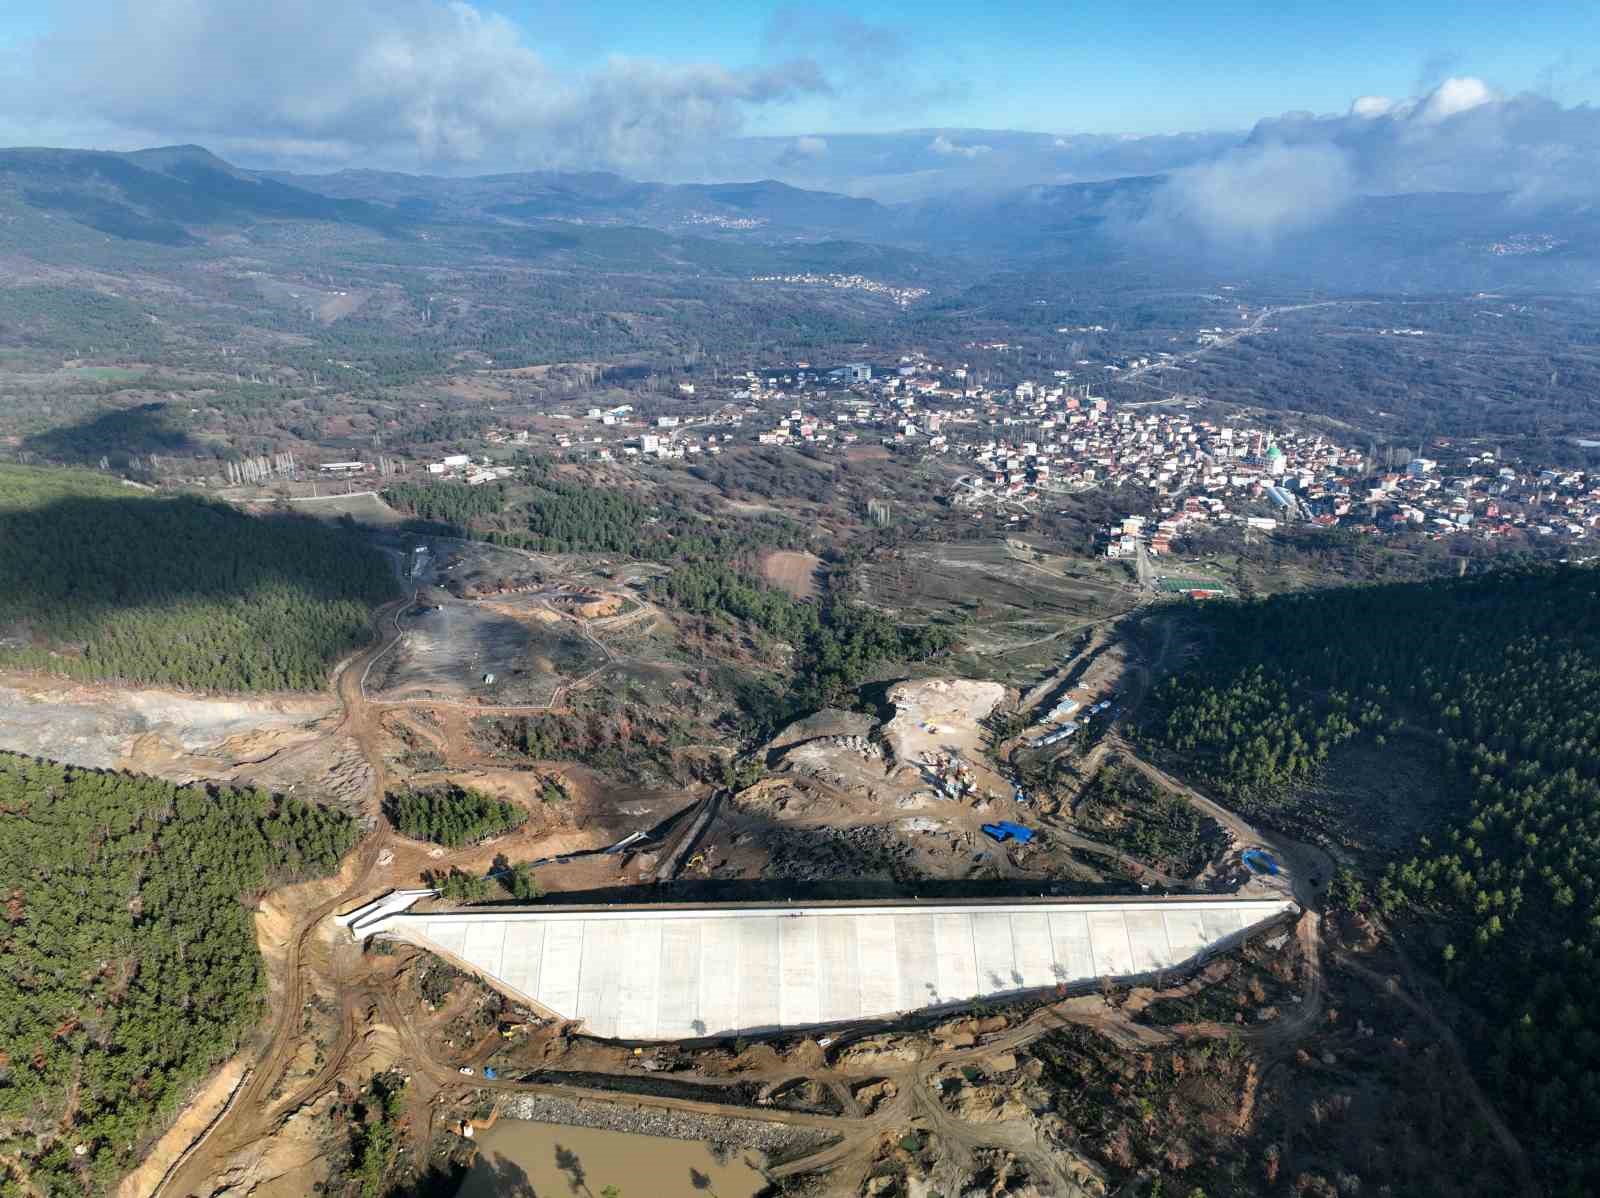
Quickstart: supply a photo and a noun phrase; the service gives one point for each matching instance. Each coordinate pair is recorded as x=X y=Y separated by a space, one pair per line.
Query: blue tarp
x=1260 y=862
x=1006 y=830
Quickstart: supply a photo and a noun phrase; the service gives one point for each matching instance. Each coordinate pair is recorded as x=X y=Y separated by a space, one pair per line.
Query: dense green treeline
x=561 y=517
x=453 y=504
x=712 y=588
x=567 y=518
x=1501 y=670
x=77 y=320
x=97 y=581
x=128 y=962
x=853 y=639
x=451 y=815
x=1259 y=734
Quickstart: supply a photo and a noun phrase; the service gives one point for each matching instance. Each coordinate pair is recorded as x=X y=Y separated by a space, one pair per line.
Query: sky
x=1365 y=95
x=1069 y=66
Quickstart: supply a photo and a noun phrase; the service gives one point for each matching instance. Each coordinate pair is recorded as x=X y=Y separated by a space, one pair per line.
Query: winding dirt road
x=250 y=1114
x=259 y=1108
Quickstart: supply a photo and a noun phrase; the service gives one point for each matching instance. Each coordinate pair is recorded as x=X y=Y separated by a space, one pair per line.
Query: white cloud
x=1371 y=106
x=1459 y=94
x=943 y=145
x=431 y=83
x=1295 y=171
x=1252 y=196
x=449 y=85
x=1460 y=136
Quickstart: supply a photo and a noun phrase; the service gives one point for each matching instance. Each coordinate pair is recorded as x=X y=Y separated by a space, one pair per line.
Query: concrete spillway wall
x=665 y=973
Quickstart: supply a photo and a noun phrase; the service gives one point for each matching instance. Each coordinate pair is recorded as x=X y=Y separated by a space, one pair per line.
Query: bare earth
x=941 y=717
x=792 y=572
x=99 y=726
x=280 y=743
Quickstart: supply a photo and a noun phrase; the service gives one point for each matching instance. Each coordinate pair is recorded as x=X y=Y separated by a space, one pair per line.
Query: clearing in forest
x=792 y=571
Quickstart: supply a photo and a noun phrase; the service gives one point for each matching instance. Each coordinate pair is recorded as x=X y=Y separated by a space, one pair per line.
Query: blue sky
x=1149 y=67
x=1499 y=96
x=1062 y=66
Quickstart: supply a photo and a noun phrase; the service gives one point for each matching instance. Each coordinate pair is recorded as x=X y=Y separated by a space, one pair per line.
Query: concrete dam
x=670 y=973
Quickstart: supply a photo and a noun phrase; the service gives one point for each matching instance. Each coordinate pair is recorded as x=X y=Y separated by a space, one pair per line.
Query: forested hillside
x=101 y=581
x=1500 y=672
x=128 y=962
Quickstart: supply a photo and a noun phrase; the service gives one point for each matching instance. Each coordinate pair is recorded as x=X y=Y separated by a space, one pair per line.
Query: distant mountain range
x=166 y=195
x=911 y=165
x=181 y=197
x=600 y=196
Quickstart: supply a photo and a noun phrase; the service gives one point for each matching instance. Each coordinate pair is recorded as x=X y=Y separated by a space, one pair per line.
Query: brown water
x=519 y=1159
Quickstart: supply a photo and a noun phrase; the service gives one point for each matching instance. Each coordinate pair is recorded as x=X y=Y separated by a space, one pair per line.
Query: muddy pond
x=521 y=1159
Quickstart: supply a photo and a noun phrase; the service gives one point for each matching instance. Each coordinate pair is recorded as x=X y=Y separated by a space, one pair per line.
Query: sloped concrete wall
x=680 y=973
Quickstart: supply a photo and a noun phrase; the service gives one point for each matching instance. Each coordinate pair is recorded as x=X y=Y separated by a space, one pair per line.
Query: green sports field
x=1175 y=585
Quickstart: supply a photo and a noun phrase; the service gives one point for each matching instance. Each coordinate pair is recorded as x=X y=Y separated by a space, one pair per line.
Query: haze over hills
x=183 y=196
x=601 y=195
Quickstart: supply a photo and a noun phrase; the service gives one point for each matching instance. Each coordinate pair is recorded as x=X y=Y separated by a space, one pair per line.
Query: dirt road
x=254 y=1113
x=251 y=1113
x=260 y=1107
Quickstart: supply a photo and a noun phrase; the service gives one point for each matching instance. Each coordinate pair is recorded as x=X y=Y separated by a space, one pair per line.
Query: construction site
x=854 y=961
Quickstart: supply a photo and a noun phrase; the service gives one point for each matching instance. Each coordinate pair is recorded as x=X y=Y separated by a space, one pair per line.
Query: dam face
x=668 y=973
